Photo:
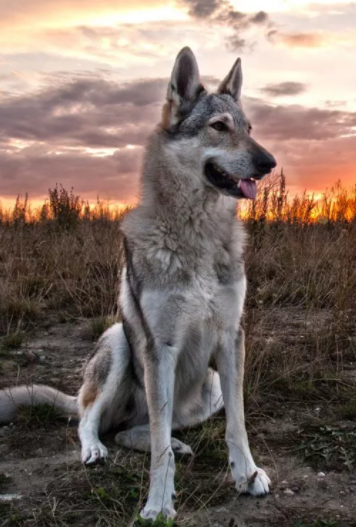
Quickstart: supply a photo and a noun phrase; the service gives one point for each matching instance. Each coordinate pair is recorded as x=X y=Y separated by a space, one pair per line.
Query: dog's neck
x=181 y=221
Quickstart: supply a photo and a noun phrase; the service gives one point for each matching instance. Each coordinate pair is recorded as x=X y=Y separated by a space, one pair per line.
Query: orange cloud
x=97 y=31
x=43 y=13
x=299 y=40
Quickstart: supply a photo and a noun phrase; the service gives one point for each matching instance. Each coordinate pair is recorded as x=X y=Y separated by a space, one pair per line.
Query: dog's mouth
x=233 y=186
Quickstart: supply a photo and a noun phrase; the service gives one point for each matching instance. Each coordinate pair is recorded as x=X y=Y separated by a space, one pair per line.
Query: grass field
x=59 y=280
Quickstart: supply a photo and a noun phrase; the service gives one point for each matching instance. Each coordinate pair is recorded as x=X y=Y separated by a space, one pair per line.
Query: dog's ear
x=183 y=88
x=233 y=82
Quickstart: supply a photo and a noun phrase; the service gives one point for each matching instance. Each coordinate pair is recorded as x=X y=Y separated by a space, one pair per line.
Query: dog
x=182 y=294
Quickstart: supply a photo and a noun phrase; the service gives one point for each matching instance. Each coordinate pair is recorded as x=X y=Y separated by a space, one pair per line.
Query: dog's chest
x=217 y=292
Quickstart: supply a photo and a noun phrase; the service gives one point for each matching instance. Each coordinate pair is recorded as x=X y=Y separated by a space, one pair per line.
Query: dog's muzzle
x=234 y=186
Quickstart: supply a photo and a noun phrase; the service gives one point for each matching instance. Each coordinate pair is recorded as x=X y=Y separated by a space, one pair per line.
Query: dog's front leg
x=159 y=383
x=230 y=362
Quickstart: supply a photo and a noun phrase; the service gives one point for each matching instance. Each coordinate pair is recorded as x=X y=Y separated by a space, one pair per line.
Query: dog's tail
x=12 y=398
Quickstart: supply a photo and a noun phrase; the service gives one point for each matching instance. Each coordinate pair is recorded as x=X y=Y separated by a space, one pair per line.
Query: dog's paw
x=180 y=448
x=152 y=513
x=161 y=493
x=94 y=453
x=257 y=483
x=158 y=506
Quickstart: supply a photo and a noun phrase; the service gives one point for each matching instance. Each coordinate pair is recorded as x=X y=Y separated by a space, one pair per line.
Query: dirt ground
x=43 y=483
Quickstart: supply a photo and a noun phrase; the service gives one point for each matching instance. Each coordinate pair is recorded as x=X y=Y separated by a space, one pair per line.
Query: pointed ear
x=232 y=83
x=183 y=89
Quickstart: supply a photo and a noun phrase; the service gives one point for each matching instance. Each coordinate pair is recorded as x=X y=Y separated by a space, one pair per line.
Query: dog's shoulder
x=153 y=247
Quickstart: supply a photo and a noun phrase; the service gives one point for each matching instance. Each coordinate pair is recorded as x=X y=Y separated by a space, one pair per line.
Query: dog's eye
x=219 y=126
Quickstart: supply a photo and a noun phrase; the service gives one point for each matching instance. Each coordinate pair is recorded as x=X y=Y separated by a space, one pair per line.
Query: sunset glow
x=82 y=85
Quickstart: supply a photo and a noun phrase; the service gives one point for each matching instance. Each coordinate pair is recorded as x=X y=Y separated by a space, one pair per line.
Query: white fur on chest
x=208 y=307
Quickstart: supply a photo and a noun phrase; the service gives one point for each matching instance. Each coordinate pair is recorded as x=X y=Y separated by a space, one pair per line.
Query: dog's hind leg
x=104 y=394
x=199 y=407
x=191 y=413
x=139 y=438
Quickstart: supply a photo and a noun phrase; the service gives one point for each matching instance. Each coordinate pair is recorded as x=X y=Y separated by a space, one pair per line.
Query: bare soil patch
x=40 y=463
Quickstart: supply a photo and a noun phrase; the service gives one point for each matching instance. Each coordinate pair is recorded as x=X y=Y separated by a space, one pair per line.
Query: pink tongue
x=248 y=188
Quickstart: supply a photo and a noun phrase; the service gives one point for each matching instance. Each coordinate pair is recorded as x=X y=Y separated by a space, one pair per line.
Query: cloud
x=284 y=89
x=45 y=35
x=33 y=171
x=222 y=13
x=203 y=8
x=316 y=165
x=85 y=112
x=76 y=132
x=337 y=103
x=121 y=46
x=42 y=13
x=297 y=40
x=315 y=146
x=290 y=122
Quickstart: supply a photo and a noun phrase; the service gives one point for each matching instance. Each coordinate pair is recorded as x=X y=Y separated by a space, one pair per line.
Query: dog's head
x=211 y=132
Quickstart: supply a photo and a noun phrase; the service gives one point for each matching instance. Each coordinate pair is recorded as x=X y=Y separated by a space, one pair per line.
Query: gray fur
x=99 y=365
x=182 y=292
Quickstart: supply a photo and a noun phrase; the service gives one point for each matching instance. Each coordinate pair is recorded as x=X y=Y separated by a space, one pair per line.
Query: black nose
x=264 y=162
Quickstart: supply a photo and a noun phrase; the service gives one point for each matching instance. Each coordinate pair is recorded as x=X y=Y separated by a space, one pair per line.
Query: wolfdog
x=178 y=355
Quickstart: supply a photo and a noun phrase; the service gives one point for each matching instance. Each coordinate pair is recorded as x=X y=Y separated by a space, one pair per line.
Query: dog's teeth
x=223 y=173
x=239 y=183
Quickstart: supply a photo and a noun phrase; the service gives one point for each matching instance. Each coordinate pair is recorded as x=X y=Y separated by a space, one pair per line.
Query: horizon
x=83 y=83
x=273 y=203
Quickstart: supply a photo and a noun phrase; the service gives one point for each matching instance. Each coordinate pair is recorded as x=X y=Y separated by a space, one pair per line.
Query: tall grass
x=273 y=203
x=65 y=258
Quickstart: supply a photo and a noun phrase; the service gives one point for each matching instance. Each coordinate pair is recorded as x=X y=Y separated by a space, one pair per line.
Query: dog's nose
x=265 y=162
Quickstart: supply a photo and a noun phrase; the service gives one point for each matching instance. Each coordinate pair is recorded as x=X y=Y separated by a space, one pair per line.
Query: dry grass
x=63 y=264
x=65 y=260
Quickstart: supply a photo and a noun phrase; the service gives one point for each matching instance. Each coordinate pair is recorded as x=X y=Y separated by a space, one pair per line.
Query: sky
x=82 y=83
